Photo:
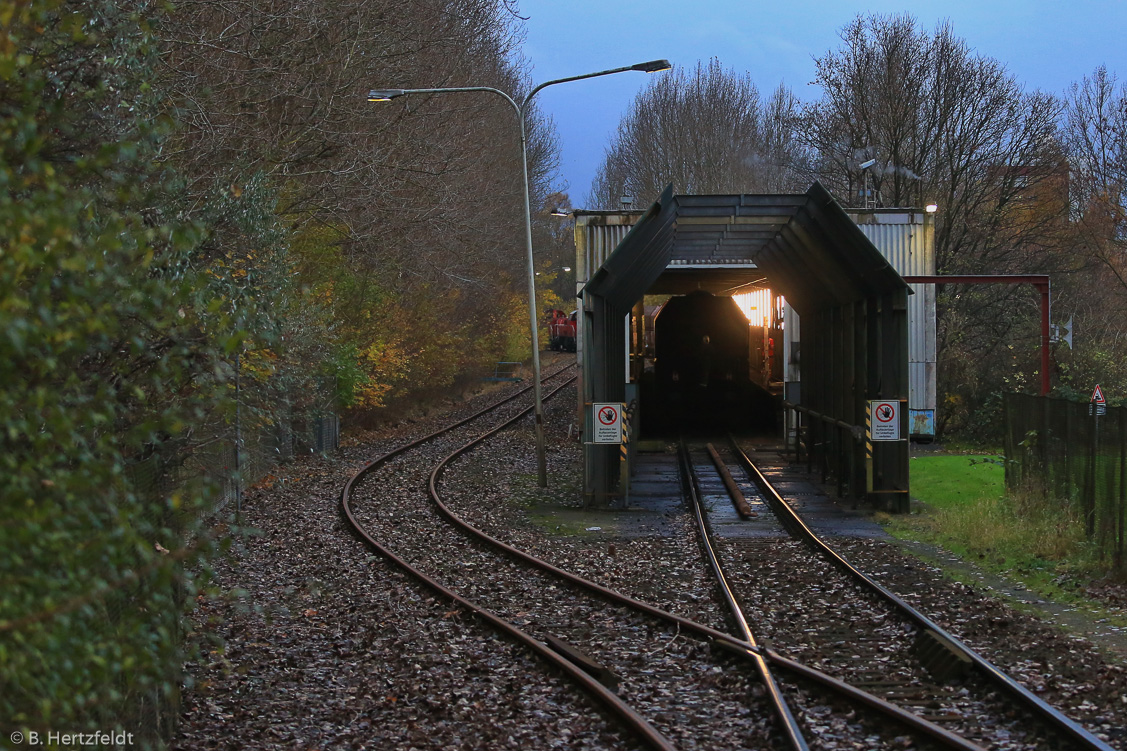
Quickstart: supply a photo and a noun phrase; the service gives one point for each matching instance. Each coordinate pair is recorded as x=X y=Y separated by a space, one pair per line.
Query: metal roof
x=802 y=245
x=626 y=275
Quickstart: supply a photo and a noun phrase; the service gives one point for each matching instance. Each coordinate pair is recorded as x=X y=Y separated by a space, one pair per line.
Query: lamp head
x=653 y=66
x=384 y=95
x=866 y=165
x=931 y=208
x=560 y=212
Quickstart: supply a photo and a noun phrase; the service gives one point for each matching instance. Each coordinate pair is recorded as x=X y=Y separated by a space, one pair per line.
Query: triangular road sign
x=1098 y=395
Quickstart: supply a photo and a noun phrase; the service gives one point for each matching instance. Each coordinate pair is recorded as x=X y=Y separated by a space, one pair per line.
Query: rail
x=857 y=431
x=733 y=644
x=797 y=527
x=646 y=732
x=788 y=724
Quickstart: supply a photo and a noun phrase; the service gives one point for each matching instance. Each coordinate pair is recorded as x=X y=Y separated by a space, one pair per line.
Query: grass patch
x=557 y=509
x=956 y=481
x=1026 y=537
x=558 y=524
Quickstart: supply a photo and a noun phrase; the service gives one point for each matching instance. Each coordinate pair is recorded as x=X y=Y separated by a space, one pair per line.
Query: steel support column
x=888 y=380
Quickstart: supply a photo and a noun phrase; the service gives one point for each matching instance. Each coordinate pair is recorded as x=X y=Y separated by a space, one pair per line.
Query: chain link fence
x=236 y=452
x=1066 y=452
x=182 y=490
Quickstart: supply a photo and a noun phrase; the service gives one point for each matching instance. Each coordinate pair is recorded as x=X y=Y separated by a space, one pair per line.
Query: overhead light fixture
x=866 y=165
x=384 y=95
x=566 y=269
x=560 y=212
x=653 y=66
x=931 y=208
x=521 y=109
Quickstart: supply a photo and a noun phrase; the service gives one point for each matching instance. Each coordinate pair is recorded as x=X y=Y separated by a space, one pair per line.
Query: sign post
x=1097 y=406
x=884 y=431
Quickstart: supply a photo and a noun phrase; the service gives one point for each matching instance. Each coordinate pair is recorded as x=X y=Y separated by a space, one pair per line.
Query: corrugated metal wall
x=907 y=239
x=597 y=234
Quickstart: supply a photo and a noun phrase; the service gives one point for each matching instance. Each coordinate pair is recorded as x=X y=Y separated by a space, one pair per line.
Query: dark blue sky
x=1046 y=45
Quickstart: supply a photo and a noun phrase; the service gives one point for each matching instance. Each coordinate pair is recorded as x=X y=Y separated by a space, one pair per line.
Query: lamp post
x=384 y=95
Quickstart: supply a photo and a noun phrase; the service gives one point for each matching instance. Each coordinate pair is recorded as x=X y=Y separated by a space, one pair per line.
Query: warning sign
x=1097 y=402
x=884 y=420
x=608 y=423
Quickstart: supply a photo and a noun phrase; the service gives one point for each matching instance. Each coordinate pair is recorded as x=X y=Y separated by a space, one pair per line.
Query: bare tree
x=943 y=125
x=412 y=205
x=705 y=131
x=1095 y=136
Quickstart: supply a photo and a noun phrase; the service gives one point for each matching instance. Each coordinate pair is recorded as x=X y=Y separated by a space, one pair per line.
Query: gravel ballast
x=328 y=646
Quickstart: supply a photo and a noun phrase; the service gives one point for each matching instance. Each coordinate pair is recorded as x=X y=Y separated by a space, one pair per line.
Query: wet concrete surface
x=656 y=495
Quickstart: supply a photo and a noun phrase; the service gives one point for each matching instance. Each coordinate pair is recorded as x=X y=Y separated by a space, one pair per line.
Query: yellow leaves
x=7 y=11
x=258 y=364
x=7 y=17
x=385 y=364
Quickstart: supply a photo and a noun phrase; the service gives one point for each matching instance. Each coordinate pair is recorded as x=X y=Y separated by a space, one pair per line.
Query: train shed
x=851 y=302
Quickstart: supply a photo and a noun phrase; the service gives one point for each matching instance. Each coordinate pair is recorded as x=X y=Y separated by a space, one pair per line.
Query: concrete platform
x=819 y=507
x=656 y=494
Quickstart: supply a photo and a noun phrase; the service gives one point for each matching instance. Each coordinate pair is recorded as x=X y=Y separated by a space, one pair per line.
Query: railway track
x=670 y=687
x=809 y=602
x=672 y=691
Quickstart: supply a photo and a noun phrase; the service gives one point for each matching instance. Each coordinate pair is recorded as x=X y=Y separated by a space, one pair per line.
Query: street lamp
x=384 y=95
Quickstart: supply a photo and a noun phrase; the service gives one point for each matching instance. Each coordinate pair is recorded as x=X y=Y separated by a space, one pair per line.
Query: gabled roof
x=805 y=245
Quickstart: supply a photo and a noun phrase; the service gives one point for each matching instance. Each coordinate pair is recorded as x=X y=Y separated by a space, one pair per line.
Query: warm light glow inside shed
x=756 y=306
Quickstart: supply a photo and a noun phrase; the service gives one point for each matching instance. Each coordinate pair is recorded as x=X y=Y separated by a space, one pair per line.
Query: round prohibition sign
x=608 y=415
x=885 y=412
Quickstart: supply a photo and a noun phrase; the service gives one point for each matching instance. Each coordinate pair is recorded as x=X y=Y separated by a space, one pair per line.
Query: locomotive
x=702 y=366
x=561 y=330
x=701 y=344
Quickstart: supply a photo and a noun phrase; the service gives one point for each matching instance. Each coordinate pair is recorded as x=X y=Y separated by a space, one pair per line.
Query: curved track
x=677 y=684
x=596 y=690
x=690 y=675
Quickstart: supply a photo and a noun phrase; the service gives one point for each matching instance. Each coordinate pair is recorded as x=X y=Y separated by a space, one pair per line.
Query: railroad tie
x=602 y=674
x=943 y=660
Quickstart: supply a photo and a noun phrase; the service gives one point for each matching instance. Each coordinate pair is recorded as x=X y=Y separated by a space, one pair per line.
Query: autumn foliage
x=205 y=225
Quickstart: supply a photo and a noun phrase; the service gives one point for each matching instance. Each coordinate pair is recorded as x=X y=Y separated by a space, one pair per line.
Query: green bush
x=104 y=360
